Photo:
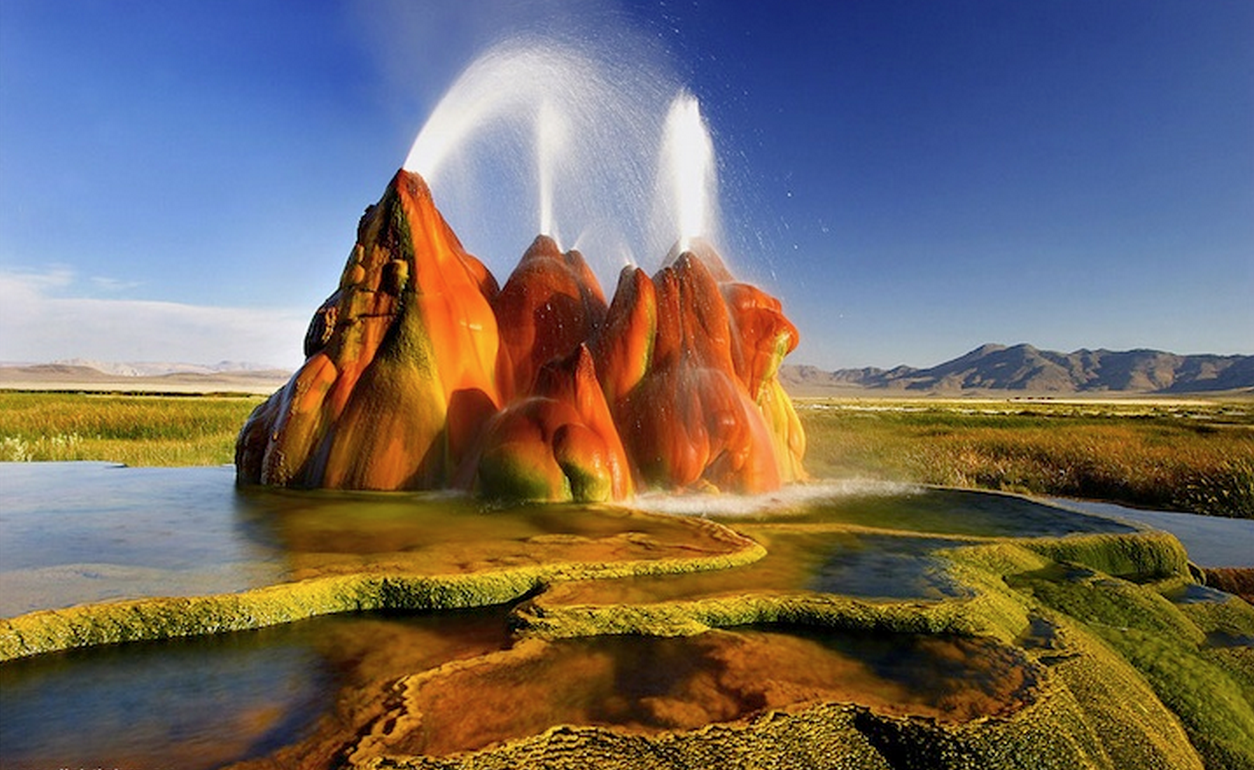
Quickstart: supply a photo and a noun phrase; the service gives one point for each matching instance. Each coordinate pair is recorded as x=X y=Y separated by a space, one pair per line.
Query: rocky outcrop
x=421 y=374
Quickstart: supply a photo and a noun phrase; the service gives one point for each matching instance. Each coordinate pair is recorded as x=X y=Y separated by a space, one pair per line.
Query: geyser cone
x=557 y=444
x=421 y=374
x=396 y=392
x=549 y=306
x=677 y=369
x=762 y=337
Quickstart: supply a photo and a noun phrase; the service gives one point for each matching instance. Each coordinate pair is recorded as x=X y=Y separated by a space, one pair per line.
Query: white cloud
x=39 y=323
x=113 y=285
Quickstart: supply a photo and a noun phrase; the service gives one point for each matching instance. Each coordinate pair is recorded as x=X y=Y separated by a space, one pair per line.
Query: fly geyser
x=423 y=373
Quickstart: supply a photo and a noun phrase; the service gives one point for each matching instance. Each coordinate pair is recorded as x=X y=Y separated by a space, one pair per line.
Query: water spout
x=687 y=171
x=550 y=136
x=555 y=133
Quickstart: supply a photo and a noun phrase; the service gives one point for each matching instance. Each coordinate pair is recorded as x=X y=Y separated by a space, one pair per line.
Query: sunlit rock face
x=395 y=394
x=421 y=374
x=690 y=368
x=557 y=444
x=549 y=306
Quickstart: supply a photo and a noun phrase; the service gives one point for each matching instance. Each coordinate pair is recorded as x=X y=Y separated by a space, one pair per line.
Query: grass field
x=1184 y=455
x=134 y=430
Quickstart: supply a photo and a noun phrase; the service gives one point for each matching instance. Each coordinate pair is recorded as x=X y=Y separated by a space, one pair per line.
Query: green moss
x=1160 y=641
x=1213 y=706
x=984 y=615
x=1102 y=601
x=510 y=472
x=1124 y=724
x=1141 y=556
x=50 y=630
x=1234 y=617
x=588 y=484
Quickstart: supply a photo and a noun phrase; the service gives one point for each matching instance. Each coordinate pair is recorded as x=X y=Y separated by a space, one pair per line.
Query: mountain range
x=147 y=377
x=1018 y=368
x=1030 y=370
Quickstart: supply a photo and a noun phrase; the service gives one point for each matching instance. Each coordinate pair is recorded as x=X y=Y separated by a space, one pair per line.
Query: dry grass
x=134 y=430
x=1191 y=456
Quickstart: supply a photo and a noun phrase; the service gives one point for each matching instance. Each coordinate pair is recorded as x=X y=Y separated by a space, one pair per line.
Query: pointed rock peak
x=543 y=246
x=410 y=183
x=701 y=250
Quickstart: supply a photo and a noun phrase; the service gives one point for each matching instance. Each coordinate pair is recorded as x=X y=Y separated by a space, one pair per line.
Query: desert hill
x=92 y=376
x=1030 y=370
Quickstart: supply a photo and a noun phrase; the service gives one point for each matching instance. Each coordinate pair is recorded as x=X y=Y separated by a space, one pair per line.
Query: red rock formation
x=761 y=337
x=399 y=391
x=421 y=375
x=557 y=444
x=550 y=304
x=688 y=420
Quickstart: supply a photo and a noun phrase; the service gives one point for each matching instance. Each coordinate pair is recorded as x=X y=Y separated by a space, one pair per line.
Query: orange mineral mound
x=420 y=374
x=549 y=306
x=691 y=378
x=407 y=376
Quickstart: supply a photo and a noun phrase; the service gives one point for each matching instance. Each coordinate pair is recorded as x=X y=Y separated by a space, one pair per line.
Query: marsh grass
x=1197 y=458
x=134 y=430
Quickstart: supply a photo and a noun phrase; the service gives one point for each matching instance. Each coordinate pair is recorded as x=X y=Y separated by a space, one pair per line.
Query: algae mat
x=838 y=630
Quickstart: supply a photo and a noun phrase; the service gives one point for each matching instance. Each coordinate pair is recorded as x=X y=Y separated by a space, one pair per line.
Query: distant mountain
x=95 y=376
x=1025 y=368
x=162 y=368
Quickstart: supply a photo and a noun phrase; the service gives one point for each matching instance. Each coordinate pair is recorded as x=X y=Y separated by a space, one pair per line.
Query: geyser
x=556 y=133
x=687 y=182
x=423 y=372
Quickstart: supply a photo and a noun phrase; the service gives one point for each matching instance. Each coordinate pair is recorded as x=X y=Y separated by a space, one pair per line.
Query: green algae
x=1122 y=676
x=159 y=618
x=1162 y=640
x=1146 y=556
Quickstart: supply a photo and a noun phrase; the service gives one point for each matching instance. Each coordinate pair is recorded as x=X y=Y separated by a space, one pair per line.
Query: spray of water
x=796 y=498
x=550 y=136
x=563 y=133
x=587 y=140
x=687 y=182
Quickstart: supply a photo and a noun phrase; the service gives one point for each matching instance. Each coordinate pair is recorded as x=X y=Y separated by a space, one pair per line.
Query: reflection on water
x=77 y=533
x=205 y=701
x=865 y=566
x=83 y=532
x=652 y=684
x=889 y=568
x=87 y=532
x=1194 y=593
x=189 y=703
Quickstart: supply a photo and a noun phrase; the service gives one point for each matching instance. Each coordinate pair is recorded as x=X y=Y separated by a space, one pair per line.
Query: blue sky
x=182 y=180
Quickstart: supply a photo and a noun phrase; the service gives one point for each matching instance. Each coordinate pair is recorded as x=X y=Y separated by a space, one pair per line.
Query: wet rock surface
x=422 y=373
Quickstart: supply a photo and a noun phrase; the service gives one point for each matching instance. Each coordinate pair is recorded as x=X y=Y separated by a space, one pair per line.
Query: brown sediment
x=657 y=685
x=1234 y=580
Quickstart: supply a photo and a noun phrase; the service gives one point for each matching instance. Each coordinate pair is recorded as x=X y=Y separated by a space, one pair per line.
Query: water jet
x=425 y=373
